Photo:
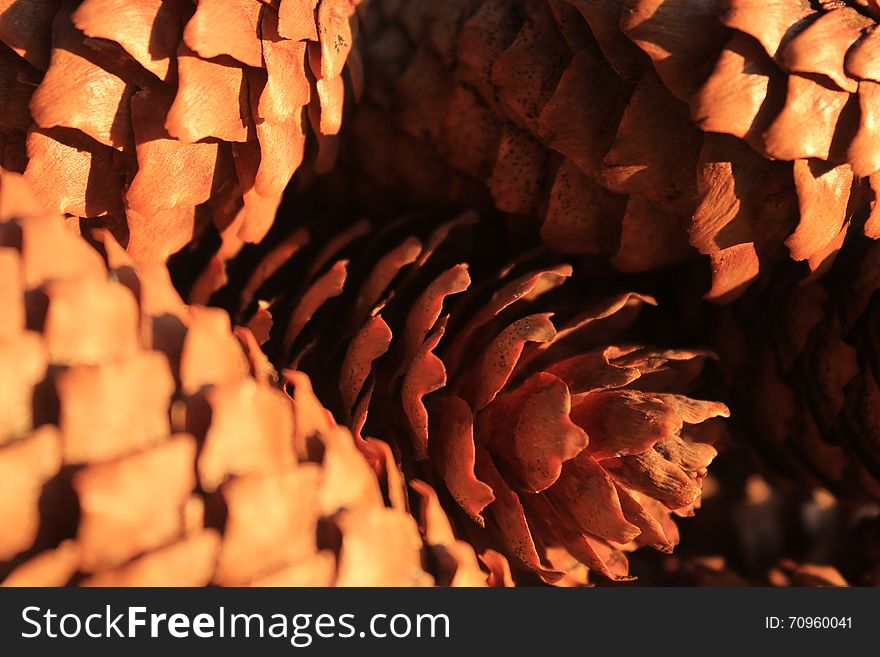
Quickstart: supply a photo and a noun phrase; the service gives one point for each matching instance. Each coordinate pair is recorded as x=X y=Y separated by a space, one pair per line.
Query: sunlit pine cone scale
x=515 y=390
x=648 y=130
x=155 y=118
x=802 y=362
x=146 y=442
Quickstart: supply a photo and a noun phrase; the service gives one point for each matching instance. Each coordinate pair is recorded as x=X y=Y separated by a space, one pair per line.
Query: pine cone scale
x=551 y=87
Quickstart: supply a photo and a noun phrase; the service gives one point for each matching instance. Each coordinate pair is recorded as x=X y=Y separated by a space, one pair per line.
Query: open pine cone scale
x=561 y=443
x=485 y=397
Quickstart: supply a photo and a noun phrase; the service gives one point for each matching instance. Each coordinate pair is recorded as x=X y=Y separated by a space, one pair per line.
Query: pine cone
x=549 y=435
x=642 y=129
x=802 y=361
x=155 y=118
x=143 y=442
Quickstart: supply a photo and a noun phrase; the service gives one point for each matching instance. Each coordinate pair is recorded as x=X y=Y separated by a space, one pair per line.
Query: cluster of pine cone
x=459 y=293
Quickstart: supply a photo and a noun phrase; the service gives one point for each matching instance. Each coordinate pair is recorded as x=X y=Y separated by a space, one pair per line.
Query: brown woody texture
x=648 y=130
x=146 y=442
x=511 y=385
x=156 y=118
x=802 y=370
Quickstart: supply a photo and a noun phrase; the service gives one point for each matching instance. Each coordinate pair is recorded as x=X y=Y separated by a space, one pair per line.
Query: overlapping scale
x=156 y=118
x=510 y=388
x=630 y=127
x=802 y=366
x=143 y=442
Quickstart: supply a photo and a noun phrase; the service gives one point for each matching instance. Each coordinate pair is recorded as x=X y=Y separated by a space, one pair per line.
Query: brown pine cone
x=155 y=118
x=642 y=129
x=144 y=442
x=802 y=361
x=550 y=435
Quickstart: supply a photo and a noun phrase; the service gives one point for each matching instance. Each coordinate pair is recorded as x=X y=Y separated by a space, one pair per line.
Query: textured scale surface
x=156 y=118
x=647 y=130
x=147 y=442
x=802 y=362
x=515 y=391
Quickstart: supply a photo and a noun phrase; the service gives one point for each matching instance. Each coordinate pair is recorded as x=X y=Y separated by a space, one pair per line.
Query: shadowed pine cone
x=642 y=129
x=156 y=117
x=144 y=442
x=508 y=385
x=802 y=361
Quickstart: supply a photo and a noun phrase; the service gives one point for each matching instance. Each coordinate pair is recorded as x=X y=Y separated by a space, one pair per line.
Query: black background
x=648 y=621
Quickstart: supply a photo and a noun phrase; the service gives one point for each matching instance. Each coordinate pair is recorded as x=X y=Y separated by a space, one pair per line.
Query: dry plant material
x=548 y=435
x=155 y=118
x=802 y=362
x=143 y=442
x=641 y=129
